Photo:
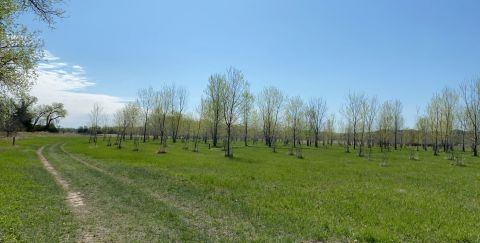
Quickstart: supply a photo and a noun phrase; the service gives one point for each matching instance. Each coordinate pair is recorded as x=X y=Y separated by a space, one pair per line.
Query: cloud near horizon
x=59 y=81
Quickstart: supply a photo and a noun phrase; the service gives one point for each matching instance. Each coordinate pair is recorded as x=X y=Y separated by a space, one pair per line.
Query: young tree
x=330 y=129
x=120 y=120
x=352 y=111
x=294 y=114
x=369 y=114
x=385 y=123
x=270 y=102
x=449 y=102
x=423 y=130
x=95 y=116
x=397 y=120
x=162 y=107
x=316 y=111
x=179 y=99
x=232 y=98
x=470 y=93
x=146 y=99
x=435 y=120
x=246 y=109
x=462 y=123
x=201 y=113
x=216 y=83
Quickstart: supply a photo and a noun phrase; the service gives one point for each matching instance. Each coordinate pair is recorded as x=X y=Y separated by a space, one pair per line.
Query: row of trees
x=230 y=111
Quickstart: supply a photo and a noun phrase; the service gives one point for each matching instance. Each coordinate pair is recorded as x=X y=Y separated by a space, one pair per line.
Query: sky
x=104 y=51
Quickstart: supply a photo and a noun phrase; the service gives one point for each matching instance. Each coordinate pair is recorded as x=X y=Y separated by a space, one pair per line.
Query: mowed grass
x=256 y=196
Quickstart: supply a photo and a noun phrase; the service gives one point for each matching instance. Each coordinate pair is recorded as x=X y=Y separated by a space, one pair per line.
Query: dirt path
x=74 y=199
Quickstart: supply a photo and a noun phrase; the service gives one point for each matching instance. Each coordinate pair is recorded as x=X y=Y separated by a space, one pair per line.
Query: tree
x=216 y=83
x=294 y=113
x=9 y=119
x=231 y=99
x=270 y=102
x=449 y=102
x=246 y=109
x=201 y=113
x=423 y=130
x=330 y=129
x=397 y=119
x=316 y=112
x=369 y=114
x=352 y=111
x=54 y=112
x=385 y=124
x=178 y=103
x=146 y=99
x=462 y=124
x=95 y=116
x=44 y=9
x=435 y=120
x=20 y=50
x=470 y=93
x=120 y=120
x=163 y=103
x=24 y=111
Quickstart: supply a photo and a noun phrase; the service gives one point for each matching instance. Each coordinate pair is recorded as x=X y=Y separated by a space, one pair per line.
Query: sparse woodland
x=232 y=113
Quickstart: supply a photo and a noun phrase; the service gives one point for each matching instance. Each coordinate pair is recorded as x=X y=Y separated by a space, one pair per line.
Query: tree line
x=229 y=111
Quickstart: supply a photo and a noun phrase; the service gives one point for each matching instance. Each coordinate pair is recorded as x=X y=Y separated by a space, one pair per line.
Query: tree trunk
x=145 y=130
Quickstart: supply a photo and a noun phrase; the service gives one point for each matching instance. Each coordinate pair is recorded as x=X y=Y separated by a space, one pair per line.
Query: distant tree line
x=229 y=112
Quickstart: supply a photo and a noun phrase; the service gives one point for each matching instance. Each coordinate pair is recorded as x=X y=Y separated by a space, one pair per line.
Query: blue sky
x=403 y=50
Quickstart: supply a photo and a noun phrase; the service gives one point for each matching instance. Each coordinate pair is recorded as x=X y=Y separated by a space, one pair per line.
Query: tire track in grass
x=125 y=213
x=74 y=199
x=227 y=228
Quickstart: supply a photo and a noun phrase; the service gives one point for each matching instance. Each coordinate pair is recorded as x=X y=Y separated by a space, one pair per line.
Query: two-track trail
x=113 y=206
x=74 y=198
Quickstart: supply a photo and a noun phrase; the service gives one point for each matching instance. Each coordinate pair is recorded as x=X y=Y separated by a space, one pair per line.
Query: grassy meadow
x=329 y=195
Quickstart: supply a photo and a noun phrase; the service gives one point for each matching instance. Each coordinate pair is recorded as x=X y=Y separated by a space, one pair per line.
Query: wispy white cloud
x=59 y=81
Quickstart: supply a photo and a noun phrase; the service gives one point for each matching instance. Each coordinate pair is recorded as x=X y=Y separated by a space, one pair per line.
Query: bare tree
x=316 y=111
x=246 y=109
x=385 y=124
x=330 y=129
x=95 y=116
x=397 y=109
x=216 y=83
x=294 y=114
x=435 y=120
x=120 y=120
x=163 y=101
x=449 y=102
x=270 y=102
x=462 y=123
x=179 y=100
x=423 y=130
x=352 y=110
x=146 y=99
x=369 y=112
x=470 y=93
x=201 y=113
x=232 y=98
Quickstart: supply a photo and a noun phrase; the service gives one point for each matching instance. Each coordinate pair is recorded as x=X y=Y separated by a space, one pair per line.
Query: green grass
x=32 y=206
x=256 y=196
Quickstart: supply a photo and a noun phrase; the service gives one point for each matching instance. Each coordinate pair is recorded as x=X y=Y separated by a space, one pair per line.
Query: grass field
x=256 y=196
